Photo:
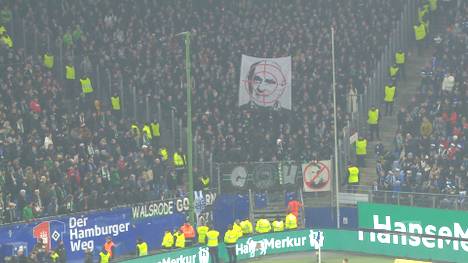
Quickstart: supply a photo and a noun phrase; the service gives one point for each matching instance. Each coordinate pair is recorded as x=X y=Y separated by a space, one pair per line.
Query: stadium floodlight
x=335 y=124
x=188 y=72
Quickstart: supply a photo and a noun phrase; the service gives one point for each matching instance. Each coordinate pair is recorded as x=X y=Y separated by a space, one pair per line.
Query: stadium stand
x=64 y=150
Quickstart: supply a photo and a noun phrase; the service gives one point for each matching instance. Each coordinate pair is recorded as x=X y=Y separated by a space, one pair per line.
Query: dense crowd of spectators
x=430 y=153
x=63 y=152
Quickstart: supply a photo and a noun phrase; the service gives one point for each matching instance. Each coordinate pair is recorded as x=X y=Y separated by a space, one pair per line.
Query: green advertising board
x=437 y=234
x=302 y=241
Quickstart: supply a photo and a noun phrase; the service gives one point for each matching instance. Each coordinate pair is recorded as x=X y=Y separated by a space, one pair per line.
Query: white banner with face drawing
x=265 y=82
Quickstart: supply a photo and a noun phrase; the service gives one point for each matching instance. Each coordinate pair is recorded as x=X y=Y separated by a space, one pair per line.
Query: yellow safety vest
x=389 y=93
x=7 y=40
x=420 y=32
x=247 y=227
x=353 y=177
x=134 y=128
x=201 y=231
x=105 y=257
x=373 y=116
x=155 y=129
x=2 y=30
x=115 y=101
x=48 y=60
x=361 y=147
x=422 y=13
x=180 y=240
x=237 y=229
x=291 y=221
x=278 y=226
x=393 y=71
x=147 y=131
x=433 y=5
x=263 y=226
x=178 y=160
x=70 y=72
x=230 y=237
x=86 y=86
x=212 y=237
x=164 y=154
x=142 y=249
x=54 y=256
x=168 y=240
x=400 y=58
x=205 y=181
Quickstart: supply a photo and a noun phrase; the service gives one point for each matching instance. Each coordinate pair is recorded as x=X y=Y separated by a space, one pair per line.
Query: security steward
x=141 y=248
x=104 y=256
x=201 y=231
x=291 y=222
x=212 y=242
x=189 y=233
x=373 y=121
x=168 y=240
x=247 y=227
x=54 y=256
x=263 y=226
x=237 y=228
x=230 y=239
x=278 y=225
x=180 y=239
x=400 y=61
x=389 y=97
x=361 y=151
x=353 y=177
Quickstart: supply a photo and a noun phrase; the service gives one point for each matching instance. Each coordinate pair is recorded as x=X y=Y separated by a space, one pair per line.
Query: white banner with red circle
x=265 y=82
x=317 y=176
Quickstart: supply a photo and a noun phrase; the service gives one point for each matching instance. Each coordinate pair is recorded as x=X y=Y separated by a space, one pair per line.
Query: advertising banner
x=265 y=82
x=204 y=201
x=302 y=241
x=246 y=248
x=89 y=230
x=427 y=233
x=317 y=176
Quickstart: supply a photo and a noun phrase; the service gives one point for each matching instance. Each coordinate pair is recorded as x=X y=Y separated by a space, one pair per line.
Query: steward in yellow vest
x=278 y=225
x=291 y=221
x=393 y=71
x=178 y=159
x=104 y=256
x=147 y=132
x=420 y=35
x=353 y=174
x=48 y=61
x=180 y=239
x=205 y=183
x=230 y=239
x=361 y=150
x=86 y=86
x=263 y=226
x=212 y=243
x=135 y=130
x=54 y=256
x=69 y=72
x=164 y=154
x=168 y=240
x=247 y=227
x=237 y=228
x=6 y=39
x=400 y=58
x=201 y=232
x=389 y=98
x=141 y=248
x=373 y=121
x=115 y=102
x=155 y=129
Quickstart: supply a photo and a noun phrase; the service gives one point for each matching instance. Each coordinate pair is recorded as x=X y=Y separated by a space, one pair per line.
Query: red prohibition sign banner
x=316 y=176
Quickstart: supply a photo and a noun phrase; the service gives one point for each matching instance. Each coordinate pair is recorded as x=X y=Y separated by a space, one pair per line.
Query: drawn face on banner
x=266 y=83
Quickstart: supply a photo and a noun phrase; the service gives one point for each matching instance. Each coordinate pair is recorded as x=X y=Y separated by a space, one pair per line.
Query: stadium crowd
x=430 y=152
x=64 y=151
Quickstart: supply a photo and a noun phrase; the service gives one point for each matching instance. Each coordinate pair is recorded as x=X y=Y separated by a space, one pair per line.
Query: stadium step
x=406 y=89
